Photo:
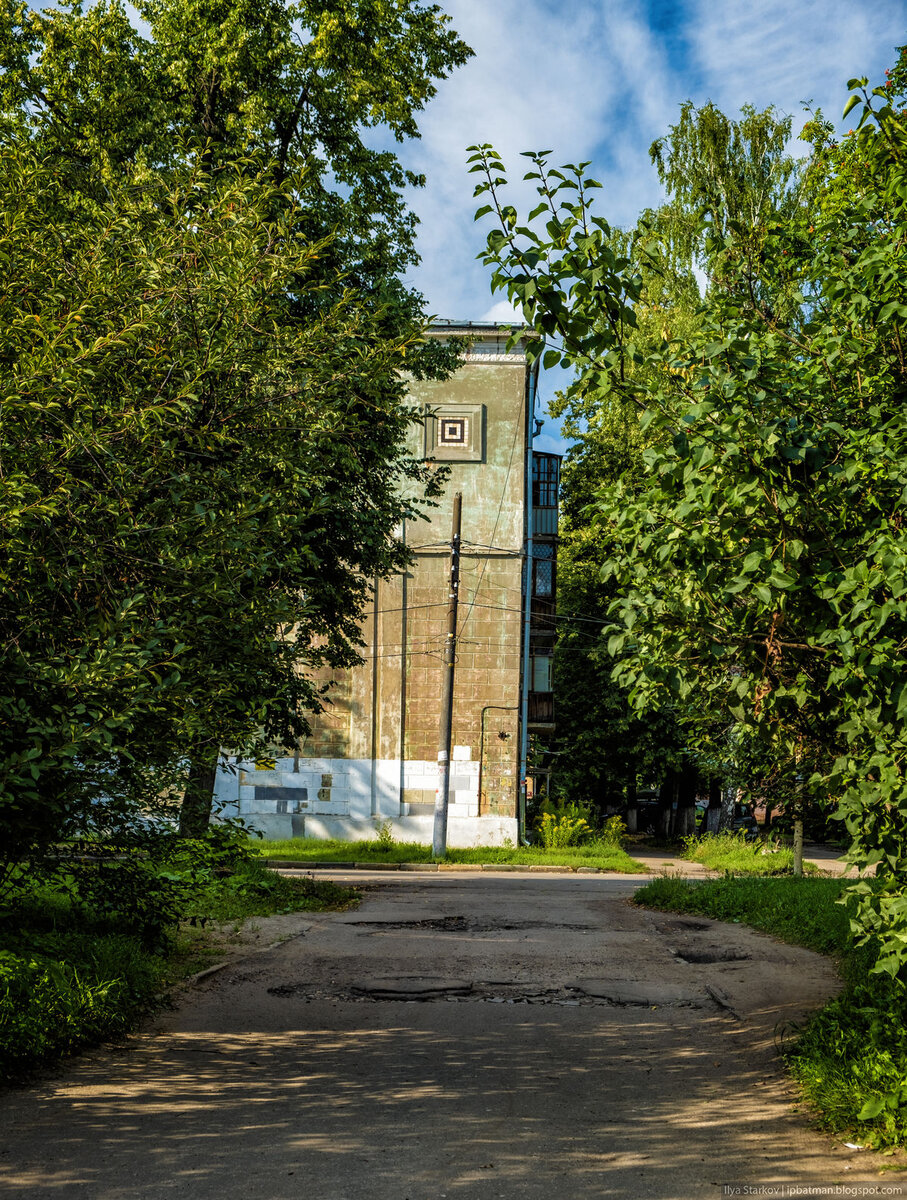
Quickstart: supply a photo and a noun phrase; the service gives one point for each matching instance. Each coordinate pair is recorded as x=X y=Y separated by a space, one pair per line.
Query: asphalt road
x=464 y=1037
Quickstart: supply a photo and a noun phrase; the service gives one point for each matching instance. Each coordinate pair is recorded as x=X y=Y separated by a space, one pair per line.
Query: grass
x=850 y=1057
x=802 y=911
x=604 y=855
x=71 y=976
x=731 y=852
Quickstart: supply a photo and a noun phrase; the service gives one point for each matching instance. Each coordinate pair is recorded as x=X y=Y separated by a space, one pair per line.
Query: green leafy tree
x=196 y=486
x=217 y=279
x=759 y=565
x=300 y=85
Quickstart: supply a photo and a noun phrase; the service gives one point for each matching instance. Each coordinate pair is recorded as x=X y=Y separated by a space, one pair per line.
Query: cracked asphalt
x=462 y=1036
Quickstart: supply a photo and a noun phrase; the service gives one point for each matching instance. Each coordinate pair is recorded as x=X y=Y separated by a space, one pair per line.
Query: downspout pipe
x=527 y=606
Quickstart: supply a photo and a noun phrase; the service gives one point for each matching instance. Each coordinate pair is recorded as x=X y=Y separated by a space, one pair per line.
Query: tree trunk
x=632 y=811
x=713 y=812
x=728 y=800
x=685 y=815
x=798 y=845
x=195 y=811
x=667 y=793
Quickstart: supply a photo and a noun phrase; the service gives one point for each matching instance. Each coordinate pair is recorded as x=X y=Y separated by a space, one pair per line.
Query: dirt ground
x=463 y=1036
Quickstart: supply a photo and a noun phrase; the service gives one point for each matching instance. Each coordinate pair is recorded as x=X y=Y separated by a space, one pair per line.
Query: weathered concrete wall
x=378 y=738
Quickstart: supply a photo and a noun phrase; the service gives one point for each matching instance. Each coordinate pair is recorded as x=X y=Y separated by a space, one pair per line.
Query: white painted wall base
x=461 y=831
x=344 y=799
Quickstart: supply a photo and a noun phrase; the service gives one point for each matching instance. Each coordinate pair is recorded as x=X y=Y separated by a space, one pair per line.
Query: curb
x=279 y=864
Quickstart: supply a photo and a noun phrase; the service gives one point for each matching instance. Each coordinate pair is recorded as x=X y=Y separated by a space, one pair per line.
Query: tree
x=299 y=85
x=733 y=174
x=759 y=565
x=196 y=486
x=217 y=283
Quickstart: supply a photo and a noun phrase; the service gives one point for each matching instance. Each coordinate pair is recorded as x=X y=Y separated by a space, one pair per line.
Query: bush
x=561 y=824
x=49 y=1007
x=558 y=832
x=614 y=832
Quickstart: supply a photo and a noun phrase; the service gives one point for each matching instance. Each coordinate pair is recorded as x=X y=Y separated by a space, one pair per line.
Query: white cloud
x=775 y=52
x=542 y=78
x=502 y=312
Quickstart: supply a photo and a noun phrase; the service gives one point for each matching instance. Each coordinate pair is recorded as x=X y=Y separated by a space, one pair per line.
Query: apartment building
x=372 y=755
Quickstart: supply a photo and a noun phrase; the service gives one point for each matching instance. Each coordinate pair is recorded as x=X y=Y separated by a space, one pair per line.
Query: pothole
x=712 y=954
x=683 y=926
x=422 y=989
x=436 y=924
x=460 y=924
x=637 y=992
x=417 y=988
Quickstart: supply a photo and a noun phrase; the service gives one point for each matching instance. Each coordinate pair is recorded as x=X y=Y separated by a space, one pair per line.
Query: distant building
x=372 y=755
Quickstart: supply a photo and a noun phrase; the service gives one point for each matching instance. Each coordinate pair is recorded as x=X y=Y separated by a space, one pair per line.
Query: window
x=540 y=674
x=545 y=477
x=542 y=569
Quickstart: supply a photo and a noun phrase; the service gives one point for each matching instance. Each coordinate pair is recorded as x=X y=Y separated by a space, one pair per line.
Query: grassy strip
x=850 y=1057
x=731 y=852
x=70 y=977
x=604 y=855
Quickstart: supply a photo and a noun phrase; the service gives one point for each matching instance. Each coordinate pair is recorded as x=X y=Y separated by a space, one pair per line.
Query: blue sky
x=600 y=80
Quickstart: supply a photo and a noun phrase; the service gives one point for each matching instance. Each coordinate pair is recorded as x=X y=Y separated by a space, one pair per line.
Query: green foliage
x=303 y=85
x=595 y=852
x=732 y=852
x=614 y=832
x=804 y=911
x=48 y=1009
x=562 y=823
x=204 y=337
x=851 y=1061
x=253 y=890
x=190 y=474
x=556 y=832
x=79 y=966
x=758 y=560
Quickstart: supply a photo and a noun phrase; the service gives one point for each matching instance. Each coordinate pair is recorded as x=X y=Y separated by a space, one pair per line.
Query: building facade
x=372 y=754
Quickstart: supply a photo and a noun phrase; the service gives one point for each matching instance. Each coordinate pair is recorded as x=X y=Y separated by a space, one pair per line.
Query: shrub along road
x=468 y=1036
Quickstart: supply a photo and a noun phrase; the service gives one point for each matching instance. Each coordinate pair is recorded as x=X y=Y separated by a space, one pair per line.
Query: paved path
x=470 y=1037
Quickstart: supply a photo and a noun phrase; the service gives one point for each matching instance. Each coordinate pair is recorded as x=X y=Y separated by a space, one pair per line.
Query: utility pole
x=442 y=795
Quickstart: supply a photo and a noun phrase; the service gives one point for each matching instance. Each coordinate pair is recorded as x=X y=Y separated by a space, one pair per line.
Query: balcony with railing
x=541 y=709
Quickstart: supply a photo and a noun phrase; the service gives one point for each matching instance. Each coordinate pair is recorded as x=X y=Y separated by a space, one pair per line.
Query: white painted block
x=462 y=753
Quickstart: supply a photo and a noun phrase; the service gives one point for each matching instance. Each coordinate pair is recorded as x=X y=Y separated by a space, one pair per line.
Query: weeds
x=384 y=839
x=731 y=852
x=558 y=832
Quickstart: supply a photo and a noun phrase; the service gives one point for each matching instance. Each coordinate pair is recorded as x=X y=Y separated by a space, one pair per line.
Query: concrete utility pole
x=442 y=795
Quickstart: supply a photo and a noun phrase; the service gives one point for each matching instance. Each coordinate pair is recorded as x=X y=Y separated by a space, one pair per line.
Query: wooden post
x=442 y=795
